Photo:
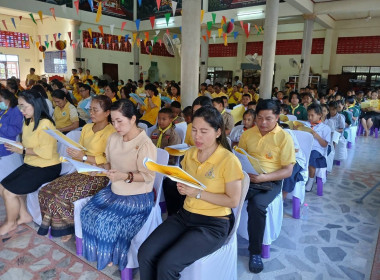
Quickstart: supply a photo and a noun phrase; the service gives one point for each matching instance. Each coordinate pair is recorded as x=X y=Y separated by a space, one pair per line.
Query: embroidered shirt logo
x=210 y=174
x=63 y=113
x=269 y=155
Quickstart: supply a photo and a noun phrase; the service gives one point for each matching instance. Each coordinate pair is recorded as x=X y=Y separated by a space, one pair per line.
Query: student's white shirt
x=300 y=156
x=236 y=133
x=208 y=81
x=50 y=107
x=339 y=121
x=325 y=132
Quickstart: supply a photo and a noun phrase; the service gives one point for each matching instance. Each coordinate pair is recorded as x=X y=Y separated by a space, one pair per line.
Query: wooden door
x=111 y=70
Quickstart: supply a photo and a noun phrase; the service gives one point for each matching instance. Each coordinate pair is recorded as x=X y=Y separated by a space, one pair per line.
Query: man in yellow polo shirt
x=274 y=149
x=217 y=91
x=31 y=76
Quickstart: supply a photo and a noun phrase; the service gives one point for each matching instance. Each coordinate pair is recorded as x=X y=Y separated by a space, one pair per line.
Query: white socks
x=309 y=184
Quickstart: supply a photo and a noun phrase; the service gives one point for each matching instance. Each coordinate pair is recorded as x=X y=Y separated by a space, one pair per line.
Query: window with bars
x=55 y=62
x=9 y=66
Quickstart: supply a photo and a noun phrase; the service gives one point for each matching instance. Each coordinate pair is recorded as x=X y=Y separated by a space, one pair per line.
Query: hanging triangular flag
x=160 y=41
x=208 y=34
x=123 y=25
x=242 y=24
x=235 y=34
x=126 y=38
x=13 y=21
x=224 y=20
x=94 y=41
x=55 y=37
x=89 y=31
x=47 y=44
x=91 y=2
x=152 y=20
x=47 y=37
x=37 y=44
x=158 y=4
x=167 y=31
x=204 y=38
x=139 y=3
x=74 y=46
x=167 y=17
x=146 y=36
x=51 y=43
x=20 y=17
x=99 y=12
x=112 y=26
x=202 y=14
x=69 y=33
x=213 y=37
x=151 y=42
x=249 y=27
x=76 y=4
x=225 y=39
x=213 y=18
x=174 y=7
x=31 y=39
x=52 y=11
x=246 y=30
x=59 y=35
x=232 y=20
x=209 y=25
x=40 y=15
x=31 y=15
x=119 y=45
x=39 y=39
x=175 y=36
x=157 y=32
x=134 y=35
x=137 y=22
x=220 y=30
x=5 y=25
x=101 y=29
x=79 y=31
x=155 y=39
x=100 y=40
x=118 y=38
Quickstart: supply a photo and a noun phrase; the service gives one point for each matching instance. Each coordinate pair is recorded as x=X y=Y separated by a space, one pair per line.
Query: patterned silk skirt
x=56 y=201
x=109 y=223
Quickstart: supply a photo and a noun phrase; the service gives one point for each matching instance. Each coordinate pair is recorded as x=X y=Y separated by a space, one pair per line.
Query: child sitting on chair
x=248 y=122
x=165 y=135
x=322 y=136
x=227 y=117
x=177 y=113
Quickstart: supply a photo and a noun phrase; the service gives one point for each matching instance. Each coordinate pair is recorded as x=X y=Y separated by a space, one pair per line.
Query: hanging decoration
x=112 y=26
x=174 y=7
x=225 y=39
x=40 y=15
x=228 y=27
x=47 y=44
x=91 y=3
x=209 y=25
x=101 y=30
x=123 y=25
x=31 y=15
x=167 y=17
x=5 y=25
x=220 y=30
x=208 y=34
x=90 y=32
x=149 y=49
x=47 y=37
x=13 y=22
x=202 y=14
x=204 y=38
x=76 y=4
x=213 y=37
x=42 y=49
x=139 y=2
x=213 y=18
x=99 y=12
x=60 y=45
x=137 y=22
x=152 y=21
x=55 y=37
x=160 y=41
x=20 y=17
x=158 y=4
x=235 y=34
x=52 y=11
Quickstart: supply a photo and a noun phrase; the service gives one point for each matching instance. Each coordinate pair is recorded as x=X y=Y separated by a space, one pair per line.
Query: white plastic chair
x=222 y=264
x=273 y=224
x=234 y=131
x=153 y=221
x=143 y=126
x=150 y=130
x=32 y=203
x=291 y=117
x=305 y=140
x=181 y=128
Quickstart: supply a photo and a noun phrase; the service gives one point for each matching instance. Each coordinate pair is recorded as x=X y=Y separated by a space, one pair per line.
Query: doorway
x=111 y=70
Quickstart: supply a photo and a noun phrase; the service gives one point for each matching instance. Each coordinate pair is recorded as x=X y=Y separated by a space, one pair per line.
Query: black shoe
x=255 y=264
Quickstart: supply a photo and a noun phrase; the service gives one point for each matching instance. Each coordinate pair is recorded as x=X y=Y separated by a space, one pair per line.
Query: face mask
x=94 y=82
x=119 y=84
x=101 y=90
x=3 y=106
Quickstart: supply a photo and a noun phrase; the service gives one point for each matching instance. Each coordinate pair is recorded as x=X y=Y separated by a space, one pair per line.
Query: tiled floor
x=337 y=240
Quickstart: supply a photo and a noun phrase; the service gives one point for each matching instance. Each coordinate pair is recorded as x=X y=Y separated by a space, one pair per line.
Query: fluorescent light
x=249 y=13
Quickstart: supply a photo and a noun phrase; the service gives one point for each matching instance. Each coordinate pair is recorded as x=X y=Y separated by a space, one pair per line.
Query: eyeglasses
x=22 y=107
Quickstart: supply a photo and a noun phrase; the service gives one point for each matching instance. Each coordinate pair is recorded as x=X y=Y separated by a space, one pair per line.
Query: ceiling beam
x=304 y=6
x=325 y=21
x=347 y=6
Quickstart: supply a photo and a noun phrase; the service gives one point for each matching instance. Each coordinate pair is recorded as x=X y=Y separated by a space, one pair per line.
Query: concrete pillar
x=242 y=45
x=191 y=34
x=136 y=50
x=327 y=51
x=269 y=48
x=307 y=41
x=77 y=53
x=204 y=57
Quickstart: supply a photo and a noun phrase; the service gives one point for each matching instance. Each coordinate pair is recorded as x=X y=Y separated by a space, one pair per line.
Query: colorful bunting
x=59 y=35
x=152 y=21
x=224 y=20
x=235 y=34
x=52 y=11
x=5 y=25
x=51 y=43
x=140 y=2
x=157 y=32
x=31 y=39
x=119 y=38
x=174 y=7
x=158 y=4
x=126 y=38
x=20 y=17
x=232 y=20
x=209 y=25
x=155 y=39
x=112 y=26
x=99 y=12
x=204 y=38
x=123 y=25
x=208 y=34
x=69 y=33
x=220 y=30
x=76 y=4
x=202 y=14
x=91 y=2
x=47 y=37
x=47 y=44
x=213 y=37
x=39 y=39
x=55 y=37
x=89 y=31
x=160 y=41
x=79 y=31
x=167 y=17
x=213 y=18
x=242 y=24
x=225 y=39
x=31 y=15
x=137 y=22
x=175 y=36
x=167 y=31
x=13 y=21
x=40 y=15
x=101 y=29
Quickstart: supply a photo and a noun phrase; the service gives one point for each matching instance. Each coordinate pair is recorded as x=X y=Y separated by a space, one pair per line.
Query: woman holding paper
x=152 y=106
x=57 y=198
x=41 y=161
x=203 y=224
x=115 y=215
x=10 y=127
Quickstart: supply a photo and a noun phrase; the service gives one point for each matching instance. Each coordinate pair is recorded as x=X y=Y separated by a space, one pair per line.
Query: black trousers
x=178 y=242
x=174 y=200
x=258 y=201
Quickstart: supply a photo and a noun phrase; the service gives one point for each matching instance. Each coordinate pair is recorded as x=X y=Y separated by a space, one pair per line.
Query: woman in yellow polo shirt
x=152 y=106
x=203 y=224
x=111 y=91
x=274 y=149
x=57 y=198
x=65 y=114
x=41 y=161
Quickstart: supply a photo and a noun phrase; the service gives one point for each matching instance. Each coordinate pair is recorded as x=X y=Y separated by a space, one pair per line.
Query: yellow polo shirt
x=140 y=90
x=220 y=94
x=87 y=77
x=151 y=113
x=32 y=77
x=43 y=145
x=232 y=100
x=95 y=143
x=189 y=138
x=273 y=150
x=220 y=168
x=65 y=116
x=72 y=79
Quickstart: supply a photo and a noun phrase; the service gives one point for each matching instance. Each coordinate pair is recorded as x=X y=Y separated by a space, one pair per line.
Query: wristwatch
x=84 y=158
x=198 y=196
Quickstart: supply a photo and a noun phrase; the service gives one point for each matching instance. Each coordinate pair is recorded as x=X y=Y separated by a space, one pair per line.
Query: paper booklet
x=255 y=164
x=137 y=98
x=82 y=167
x=10 y=142
x=177 y=150
x=175 y=173
x=301 y=126
x=237 y=113
x=166 y=99
x=63 y=139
